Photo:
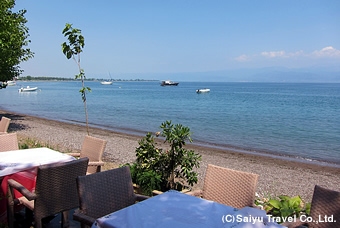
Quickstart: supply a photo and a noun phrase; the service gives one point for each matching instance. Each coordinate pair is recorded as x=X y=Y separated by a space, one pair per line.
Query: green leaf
x=268 y=208
x=68 y=54
x=284 y=197
x=284 y=204
x=67 y=27
x=286 y=212
x=294 y=202
x=308 y=206
x=275 y=203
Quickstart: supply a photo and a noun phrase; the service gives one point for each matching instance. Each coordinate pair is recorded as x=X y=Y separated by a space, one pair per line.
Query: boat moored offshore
x=28 y=89
x=106 y=83
x=169 y=83
x=202 y=90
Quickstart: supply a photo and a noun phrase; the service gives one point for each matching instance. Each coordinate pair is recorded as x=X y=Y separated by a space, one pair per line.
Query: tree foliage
x=13 y=40
x=72 y=49
x=158 y=169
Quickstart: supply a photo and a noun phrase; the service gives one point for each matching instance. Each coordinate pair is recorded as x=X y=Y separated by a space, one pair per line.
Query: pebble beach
x=276 y=176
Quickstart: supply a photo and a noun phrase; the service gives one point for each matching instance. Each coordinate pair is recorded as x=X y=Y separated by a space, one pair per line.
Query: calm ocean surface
x=299 y=120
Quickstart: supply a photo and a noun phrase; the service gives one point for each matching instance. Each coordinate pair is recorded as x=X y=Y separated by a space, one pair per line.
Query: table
x=21 y=165
x=19 y=160
x=175 y=209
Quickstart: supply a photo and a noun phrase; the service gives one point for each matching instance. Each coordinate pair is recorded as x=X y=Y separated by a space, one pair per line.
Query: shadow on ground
x=14 y=126
x=51 y=222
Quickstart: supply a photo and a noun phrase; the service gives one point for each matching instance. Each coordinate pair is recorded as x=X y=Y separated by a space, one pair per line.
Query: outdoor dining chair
x=325 y=204
x=229 y=187
x=4 y=123
x=103 y=193
x=93 y=148
x=55 y=192
x=8 y=142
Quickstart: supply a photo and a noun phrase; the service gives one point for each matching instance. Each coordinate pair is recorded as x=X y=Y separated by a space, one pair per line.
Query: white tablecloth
x=19 y=160
x=175 y=209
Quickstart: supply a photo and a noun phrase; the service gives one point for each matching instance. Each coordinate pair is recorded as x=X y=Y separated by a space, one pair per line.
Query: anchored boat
x=106 y=83
x=28 y=89
x=169 y=83
x=202 y=90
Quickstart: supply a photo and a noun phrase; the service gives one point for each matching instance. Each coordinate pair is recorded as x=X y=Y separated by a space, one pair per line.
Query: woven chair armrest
x=141 y=197
x=156 y=192
x=73 y=154
x=256 y=206
x=297 y=223
x=83 y=219
x=197 y=193
x=20 y=188
x=96 y=163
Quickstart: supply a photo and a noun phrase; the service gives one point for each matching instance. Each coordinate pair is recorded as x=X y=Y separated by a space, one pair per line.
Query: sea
x=298 y=121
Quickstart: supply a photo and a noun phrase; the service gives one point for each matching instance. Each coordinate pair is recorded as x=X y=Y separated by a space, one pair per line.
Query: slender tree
x=72 y=49
x=13 y=41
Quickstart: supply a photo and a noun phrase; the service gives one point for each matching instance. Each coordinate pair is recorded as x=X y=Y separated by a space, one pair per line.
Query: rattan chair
x=4 y=123
x=8 y=142
x=229 y=187
x=93 y=148
x=325 y=203
x=103 y=193
x=55 y=191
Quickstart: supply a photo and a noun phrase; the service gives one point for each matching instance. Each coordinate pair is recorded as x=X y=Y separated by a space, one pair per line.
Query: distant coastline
x=30 y=78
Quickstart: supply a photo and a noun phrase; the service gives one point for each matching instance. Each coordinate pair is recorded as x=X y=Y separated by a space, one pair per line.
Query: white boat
x=106 y=83
x=11 y=83
x=109 y=82
x=202 y=90
x=28 y=89
x=169 y=83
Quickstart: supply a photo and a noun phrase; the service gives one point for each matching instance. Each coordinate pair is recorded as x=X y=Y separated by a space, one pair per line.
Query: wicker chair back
x=105 y=192
x=4 y=123
x=229 y=187
x=8 y=142
x=93 y=148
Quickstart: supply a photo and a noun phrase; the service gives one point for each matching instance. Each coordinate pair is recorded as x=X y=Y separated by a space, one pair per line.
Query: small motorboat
x=11 y=83
x=202 y=90
x=169 y=83
x=28 y=89
x=106 y=83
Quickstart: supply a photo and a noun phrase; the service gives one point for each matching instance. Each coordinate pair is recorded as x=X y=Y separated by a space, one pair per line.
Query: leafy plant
x=163 y=170
x=72 y=49
x=27 y=143
x=13 y=40
x=284 y=206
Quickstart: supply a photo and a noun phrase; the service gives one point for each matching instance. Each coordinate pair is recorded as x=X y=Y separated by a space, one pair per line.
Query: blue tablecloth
x=175 y=209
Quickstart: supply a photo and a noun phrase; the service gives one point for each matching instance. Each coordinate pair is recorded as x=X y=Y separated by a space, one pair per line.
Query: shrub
x=155 y=169
x=283 y=207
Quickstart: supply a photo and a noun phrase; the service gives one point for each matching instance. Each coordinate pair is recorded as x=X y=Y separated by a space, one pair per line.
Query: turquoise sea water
x=299 y=120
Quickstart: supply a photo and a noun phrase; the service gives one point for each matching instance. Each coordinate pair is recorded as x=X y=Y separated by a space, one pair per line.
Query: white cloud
x=327 y=52
x=274 y=54
x=298 y=53
x=243 y=58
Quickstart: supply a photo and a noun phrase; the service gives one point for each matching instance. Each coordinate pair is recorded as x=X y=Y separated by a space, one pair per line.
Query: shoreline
x=277 y=176
x=212 y=146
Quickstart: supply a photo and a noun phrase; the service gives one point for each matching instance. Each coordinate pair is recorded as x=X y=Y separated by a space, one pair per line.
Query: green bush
x=283 y=207
x=155 y=169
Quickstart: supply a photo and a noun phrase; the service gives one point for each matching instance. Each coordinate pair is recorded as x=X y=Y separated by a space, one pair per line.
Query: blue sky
x=150 y=39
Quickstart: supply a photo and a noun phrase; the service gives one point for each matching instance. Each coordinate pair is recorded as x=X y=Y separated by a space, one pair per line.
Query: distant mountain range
x=273 y=74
